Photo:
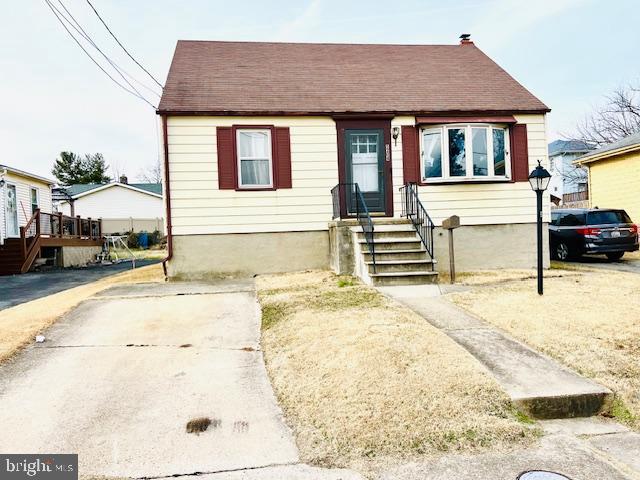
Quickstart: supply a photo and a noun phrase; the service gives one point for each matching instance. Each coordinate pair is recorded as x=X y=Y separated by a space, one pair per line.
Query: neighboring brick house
x=264 y=143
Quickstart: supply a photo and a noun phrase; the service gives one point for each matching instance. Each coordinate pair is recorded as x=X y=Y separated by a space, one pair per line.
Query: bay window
x=464 y=152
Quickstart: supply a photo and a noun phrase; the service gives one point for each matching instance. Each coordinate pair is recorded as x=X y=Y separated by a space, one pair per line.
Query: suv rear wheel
x=562 y=252
x=613 y=256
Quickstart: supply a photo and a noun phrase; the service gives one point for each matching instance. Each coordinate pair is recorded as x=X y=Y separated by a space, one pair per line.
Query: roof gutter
x=333 y=113
x=604 y=155
x=167 y=195
x=3 y=227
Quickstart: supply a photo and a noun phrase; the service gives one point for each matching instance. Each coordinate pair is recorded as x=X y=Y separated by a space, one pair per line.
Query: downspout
x=4 y=206
x=167 y=196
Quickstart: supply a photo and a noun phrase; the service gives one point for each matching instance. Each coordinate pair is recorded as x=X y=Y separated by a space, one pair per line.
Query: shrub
x=132 y=240
x=155 y=237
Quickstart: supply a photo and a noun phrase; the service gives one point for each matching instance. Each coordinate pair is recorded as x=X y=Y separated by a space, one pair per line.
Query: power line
x=53 y=10
x=120 y=70
x=86 y=36
x=122 y=46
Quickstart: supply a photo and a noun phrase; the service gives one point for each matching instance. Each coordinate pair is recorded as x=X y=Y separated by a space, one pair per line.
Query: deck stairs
x=400 y=256
x=11 y=256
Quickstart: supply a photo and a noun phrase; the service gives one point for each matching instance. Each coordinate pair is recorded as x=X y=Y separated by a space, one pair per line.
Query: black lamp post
x=539 y=179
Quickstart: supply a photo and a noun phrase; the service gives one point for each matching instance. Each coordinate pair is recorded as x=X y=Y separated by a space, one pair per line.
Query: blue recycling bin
x=143 y=239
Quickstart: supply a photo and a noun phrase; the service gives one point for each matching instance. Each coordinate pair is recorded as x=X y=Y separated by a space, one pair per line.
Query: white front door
x=11 y=207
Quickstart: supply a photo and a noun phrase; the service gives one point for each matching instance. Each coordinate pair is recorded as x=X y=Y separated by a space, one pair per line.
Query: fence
x=123 y=225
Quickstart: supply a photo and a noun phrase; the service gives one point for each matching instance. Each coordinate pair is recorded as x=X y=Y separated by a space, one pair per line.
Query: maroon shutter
x=226 y=158
x=282 y=163
x=519 y=153
x=410 y=155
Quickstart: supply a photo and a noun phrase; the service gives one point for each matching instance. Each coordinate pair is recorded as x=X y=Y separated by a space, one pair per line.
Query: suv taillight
x=634 y=229
x=589 y=232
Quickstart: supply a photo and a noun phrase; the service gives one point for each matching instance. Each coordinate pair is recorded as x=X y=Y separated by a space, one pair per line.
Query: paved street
x=17 y=289
x=626 y=264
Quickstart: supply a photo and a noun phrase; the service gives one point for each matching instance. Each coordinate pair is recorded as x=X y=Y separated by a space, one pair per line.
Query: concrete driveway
x=119 y=378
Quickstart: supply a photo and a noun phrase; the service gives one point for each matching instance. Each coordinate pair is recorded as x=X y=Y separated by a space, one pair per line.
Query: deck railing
x=56 y=225
x=575 y=196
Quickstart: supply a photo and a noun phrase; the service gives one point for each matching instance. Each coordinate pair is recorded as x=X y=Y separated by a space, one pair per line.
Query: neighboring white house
x=21 y=193
x=566 y=178
x=122 y=206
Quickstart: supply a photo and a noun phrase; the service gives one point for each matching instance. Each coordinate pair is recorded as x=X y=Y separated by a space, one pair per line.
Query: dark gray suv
x=577 y=231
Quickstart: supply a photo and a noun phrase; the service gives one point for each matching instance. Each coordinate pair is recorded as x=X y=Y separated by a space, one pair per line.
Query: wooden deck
x=17 y=255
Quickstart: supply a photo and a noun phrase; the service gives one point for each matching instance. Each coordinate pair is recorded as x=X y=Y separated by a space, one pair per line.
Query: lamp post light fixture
x=539 y=180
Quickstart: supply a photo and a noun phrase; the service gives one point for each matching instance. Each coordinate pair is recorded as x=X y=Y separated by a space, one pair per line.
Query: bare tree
x=617 y=118
x=117 y=169
x=573 y=175
x=151 y=173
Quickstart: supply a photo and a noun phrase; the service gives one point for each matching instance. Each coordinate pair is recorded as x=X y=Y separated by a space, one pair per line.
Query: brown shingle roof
x=307 y=78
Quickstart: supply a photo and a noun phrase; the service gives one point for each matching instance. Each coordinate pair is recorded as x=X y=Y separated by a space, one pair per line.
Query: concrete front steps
x=400 y=256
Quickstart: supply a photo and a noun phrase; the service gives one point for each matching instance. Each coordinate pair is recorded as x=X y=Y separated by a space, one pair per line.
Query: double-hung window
x=35 y=204
x=464 y=153
x=254 y=157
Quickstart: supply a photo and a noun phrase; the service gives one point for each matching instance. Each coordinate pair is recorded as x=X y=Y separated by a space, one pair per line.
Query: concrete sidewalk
x=564 y=454
x=536 y=384
x=120 y=376
x=588 y=448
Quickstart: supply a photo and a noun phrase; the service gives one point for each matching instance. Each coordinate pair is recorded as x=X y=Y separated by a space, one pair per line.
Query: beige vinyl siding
x=198 y=207
x=23 y=197
x=481 y=203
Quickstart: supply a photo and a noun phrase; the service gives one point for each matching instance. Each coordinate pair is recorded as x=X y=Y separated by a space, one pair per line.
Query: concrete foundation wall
x=478 y=247
x=79 y=256
x=248 y=254
x=342 y=255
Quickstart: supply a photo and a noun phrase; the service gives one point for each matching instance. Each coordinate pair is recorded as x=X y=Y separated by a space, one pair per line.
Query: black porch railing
x=413 y=209
x=348 y=201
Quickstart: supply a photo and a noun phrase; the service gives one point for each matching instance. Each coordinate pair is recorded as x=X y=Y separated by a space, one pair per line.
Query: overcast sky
x=569 y=53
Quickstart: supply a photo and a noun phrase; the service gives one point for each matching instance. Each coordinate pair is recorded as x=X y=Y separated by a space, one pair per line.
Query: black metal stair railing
x=413 y=209
x=355 y=205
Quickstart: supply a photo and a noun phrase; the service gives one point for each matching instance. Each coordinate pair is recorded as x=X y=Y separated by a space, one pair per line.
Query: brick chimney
x=124 y=179
x=465 y=39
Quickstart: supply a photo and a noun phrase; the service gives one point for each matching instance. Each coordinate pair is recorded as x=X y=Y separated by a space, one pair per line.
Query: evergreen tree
x=70 y=168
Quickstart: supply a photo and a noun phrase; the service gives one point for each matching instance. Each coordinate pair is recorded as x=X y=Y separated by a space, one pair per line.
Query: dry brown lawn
x=365 y=382
x=588 y=320
x=488 y=277
x=20 y=324
x=632 y=255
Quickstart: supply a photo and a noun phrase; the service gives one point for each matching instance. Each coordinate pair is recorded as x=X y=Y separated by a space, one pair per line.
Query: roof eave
x=114 y=184
x=330 y=113
x=594 y=157
x=22 y=173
